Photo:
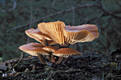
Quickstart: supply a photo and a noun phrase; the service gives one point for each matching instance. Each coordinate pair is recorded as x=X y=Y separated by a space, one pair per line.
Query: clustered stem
x=41 y=58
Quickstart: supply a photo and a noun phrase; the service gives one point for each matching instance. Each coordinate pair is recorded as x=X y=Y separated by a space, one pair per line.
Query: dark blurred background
x=18 y=15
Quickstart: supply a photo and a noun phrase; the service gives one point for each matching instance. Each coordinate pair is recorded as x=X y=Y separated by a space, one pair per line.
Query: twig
x=20 y=59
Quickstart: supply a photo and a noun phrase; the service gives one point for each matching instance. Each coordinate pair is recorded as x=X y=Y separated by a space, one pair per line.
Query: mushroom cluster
x=52 y=34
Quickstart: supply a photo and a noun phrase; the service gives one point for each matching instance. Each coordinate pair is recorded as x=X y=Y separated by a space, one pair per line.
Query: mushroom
x=57 y=32
x=37 y=35
x=65 y=52
x=50 y=49
x=34 y=49
x=54 y=30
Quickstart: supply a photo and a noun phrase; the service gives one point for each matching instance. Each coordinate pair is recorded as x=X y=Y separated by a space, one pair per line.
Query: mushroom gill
x=82 y=33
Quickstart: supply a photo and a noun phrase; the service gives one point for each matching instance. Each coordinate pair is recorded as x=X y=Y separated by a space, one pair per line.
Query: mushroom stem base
x=59 y=60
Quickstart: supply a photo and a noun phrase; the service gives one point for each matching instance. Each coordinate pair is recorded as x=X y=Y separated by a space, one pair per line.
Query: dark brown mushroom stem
x=59 y=60
x=41 y=58
x=51 y=58
x=64 y=60
x=48 y=57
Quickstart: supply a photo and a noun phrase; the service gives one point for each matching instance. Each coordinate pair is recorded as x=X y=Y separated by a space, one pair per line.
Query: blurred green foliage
x=16 y=15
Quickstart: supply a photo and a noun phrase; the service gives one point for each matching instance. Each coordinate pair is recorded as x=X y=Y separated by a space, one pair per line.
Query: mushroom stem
x=65 y=59
x=59 y=60
x=52 y=59
x=41 y=58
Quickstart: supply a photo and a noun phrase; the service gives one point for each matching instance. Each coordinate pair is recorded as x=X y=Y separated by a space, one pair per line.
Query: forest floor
x=89 y=66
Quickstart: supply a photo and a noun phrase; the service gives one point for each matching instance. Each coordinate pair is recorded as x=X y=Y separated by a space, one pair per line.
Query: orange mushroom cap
x=33 y=49
x=50 y=48
x=65 y=52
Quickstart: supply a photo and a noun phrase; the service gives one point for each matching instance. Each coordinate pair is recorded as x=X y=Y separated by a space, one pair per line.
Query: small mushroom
x=34 y=49
x=65 y=52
